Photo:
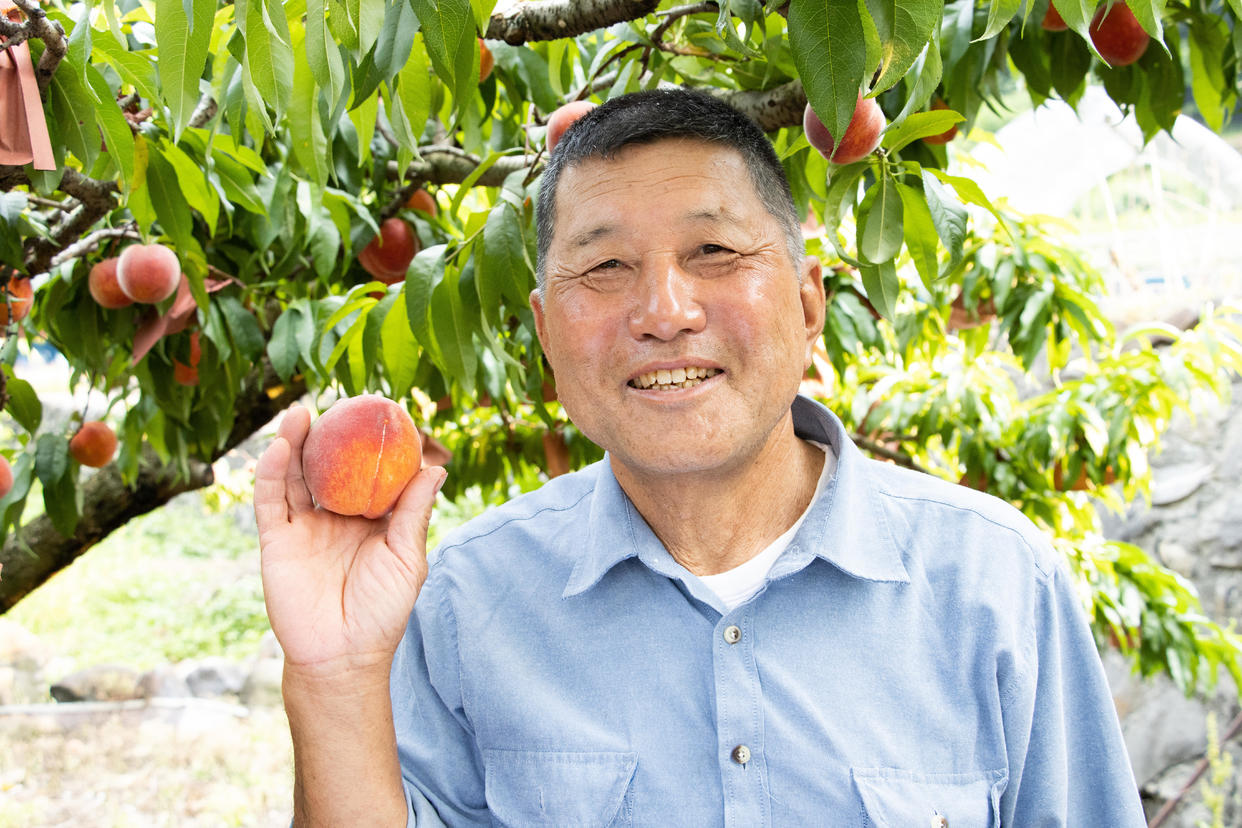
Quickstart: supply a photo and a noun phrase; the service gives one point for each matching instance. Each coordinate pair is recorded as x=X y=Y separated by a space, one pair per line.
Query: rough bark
x=524 y=22
x=37 y=552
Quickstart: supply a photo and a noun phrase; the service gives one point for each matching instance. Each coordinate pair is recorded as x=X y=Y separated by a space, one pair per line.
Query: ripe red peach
x=104 y=287
x=1118 y=36
x=1053 y=22
x=563 y=118
x=148 y=273
x=20 y=296
x=6 y=476
x=188 y=374
x=422 y=201
x=486 y=61
x=94 y=444
x=360 y=454
x=861 y=137
x=388 y=255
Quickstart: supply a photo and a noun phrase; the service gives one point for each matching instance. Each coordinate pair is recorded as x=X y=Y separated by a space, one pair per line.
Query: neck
x=711 y=522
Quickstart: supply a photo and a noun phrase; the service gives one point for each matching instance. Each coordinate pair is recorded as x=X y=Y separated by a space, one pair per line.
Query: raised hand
x=339 y=590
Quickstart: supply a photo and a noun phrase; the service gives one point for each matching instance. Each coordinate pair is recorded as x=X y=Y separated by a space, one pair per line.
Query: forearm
x=346 y=769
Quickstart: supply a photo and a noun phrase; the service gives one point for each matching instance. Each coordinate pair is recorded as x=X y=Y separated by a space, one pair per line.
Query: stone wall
x=1194 y=527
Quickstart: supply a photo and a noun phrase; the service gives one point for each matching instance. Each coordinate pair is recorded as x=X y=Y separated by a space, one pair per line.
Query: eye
x=713 y=249
x=611 y=264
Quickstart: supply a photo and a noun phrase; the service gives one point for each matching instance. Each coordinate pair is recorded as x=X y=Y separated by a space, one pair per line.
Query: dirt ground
x=210 y=766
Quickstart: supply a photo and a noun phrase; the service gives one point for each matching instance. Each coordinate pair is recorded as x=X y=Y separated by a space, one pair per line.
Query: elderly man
x=735 y=618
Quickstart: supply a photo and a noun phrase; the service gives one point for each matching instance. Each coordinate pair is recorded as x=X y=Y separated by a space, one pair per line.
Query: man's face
x=674 y=321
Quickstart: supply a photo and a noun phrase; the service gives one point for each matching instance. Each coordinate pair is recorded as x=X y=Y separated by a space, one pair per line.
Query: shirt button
x=741 y=754
x=732 y=634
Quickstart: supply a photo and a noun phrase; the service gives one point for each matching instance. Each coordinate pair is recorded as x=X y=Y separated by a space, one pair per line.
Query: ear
x=811 y=291
x=536 y=307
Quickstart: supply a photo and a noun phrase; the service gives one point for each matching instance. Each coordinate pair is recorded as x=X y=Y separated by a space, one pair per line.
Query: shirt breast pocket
x=895 y=798
x=559 y=788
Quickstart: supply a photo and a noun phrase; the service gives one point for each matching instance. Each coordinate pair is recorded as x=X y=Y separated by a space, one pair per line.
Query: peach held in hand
x=360 y=454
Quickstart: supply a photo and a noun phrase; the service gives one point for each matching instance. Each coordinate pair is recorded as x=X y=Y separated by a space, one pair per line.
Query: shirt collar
x=845 y=525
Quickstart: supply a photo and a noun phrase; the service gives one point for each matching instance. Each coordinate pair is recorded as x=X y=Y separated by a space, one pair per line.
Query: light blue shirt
x=918 y=651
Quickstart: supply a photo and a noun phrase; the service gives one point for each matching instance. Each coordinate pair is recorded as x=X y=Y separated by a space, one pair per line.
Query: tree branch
x=520 y=23
x=449 y=165
x=52 y=35
x=37 y=552
x=91 y=242
x=774 y=108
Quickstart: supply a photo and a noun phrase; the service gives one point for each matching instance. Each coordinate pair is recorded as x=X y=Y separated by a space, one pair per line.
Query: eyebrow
x=588 y=237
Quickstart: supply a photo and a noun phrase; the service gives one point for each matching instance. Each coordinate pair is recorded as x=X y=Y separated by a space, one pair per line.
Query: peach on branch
x=388 y=255
x=1118 y=36
x=104 y=287
x=861 y=137
x=184 y=374
x=17 y=299
x=148 y=273
x=1053 y=22
x=563 y=118
x=486 y=61
x=422 y=201
x=360 y=454
x=6 y=476
x=94 y=444
x=943 y=137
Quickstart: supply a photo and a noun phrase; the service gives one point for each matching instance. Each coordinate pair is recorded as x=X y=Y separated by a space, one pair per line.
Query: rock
x=215 y=676
x=103 y=682
x=262 y=686
x=1179 y=482
x=163 y=682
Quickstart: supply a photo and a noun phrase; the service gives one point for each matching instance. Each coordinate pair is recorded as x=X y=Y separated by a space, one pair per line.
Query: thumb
x=407 y=526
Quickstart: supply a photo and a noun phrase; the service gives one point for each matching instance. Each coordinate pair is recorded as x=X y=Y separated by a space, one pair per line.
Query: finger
x=293 y=428
x=407 y=527
x=270 y=507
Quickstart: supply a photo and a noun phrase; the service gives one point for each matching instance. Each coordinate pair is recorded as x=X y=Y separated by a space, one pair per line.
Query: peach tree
x=266 y=142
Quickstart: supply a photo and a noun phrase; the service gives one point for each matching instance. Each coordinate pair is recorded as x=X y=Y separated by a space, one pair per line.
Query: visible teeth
x=669 y=379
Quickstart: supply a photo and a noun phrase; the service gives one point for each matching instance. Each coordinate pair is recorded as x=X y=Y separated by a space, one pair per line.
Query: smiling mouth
x=673 y=379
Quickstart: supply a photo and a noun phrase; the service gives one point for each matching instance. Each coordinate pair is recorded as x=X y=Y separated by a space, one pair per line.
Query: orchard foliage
x=266 y=142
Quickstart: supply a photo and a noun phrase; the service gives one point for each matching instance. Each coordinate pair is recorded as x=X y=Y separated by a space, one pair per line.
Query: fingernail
x=440 y=482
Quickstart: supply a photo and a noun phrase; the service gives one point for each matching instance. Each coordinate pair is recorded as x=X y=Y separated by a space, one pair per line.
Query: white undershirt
x=739 y=584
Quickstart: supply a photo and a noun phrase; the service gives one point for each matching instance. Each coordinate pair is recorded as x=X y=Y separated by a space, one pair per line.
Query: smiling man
x=733 y=619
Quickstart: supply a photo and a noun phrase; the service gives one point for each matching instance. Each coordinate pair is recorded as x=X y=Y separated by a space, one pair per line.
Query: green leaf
x=904 y=28
x=1000 y=12
x=826 y=38
x=51 y=458
x=306 y=135
x=62 y=502
x=183 y=42
x=73 y=113
x=1077 y=15
x=882 y=286
x=923 y=78
x=503 y=271
x=133 y=69
x=1148 y=14
x=291 y=336
x=118 y=138
x=322 y=54
x=24 y=404
x=421 y=278
x=399 y=351
x=920 y=125
x=1212 y=93
x=170 y=204
x=453 y=335
x=948 y=215
x=269 y=53
x=880 y=229
x=243 y=328
x=414 y=87
x=1070 y=60
x=194 y=184
x=920 y=233
x=448 y=29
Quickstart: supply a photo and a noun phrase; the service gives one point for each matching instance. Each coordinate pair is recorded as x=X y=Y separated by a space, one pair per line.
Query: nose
x=665 y=304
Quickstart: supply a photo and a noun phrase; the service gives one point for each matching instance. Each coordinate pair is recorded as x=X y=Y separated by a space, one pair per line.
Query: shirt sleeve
x=440 y=765
x=1068 y=764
